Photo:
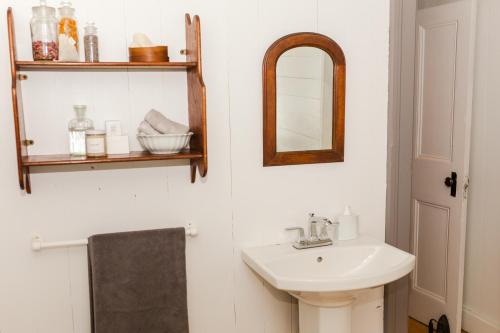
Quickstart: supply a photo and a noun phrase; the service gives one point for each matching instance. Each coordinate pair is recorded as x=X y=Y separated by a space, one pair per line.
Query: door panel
x=432 y=225
x=443 y=100
x=436 y=104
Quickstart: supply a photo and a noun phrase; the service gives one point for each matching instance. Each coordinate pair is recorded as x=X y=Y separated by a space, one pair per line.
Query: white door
x=441 y=140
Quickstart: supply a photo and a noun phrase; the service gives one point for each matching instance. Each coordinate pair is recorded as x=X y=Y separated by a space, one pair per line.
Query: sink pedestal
x=313 y=319
x=324 y=313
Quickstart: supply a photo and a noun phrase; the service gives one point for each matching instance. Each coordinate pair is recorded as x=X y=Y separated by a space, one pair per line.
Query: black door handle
x=451 y=182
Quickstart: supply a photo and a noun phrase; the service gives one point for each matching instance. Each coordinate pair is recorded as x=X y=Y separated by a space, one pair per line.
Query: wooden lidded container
x=148 y=54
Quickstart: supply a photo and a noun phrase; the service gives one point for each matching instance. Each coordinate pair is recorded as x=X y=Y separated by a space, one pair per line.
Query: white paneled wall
x=482 y=271
x=240 y=203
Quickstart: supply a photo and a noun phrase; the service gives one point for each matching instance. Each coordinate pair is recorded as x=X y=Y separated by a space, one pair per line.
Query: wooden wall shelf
x=134 y=156
x=196 y=94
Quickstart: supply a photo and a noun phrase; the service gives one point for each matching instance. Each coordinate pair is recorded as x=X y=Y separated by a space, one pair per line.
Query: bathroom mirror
x=304 y=93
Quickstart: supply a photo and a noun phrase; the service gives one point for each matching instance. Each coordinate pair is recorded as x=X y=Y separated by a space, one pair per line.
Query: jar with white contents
x=96 y=143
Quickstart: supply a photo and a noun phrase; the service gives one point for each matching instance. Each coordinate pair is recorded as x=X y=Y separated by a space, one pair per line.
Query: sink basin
x=326 y=280
x=348 y=265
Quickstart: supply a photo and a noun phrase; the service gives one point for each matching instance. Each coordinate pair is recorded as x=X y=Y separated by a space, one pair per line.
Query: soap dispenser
x=348 y=225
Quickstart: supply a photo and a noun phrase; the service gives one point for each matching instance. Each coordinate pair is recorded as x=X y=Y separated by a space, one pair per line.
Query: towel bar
x=37 y=244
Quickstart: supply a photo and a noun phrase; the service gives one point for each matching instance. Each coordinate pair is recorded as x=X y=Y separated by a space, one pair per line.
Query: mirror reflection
x=304 y=100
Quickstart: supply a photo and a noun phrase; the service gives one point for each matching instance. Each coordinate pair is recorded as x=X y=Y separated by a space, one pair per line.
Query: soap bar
x=117 y=144
x=141 y=40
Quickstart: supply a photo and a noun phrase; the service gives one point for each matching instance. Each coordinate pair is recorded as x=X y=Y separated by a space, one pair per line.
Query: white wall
x=482 y=275
x=239 y=204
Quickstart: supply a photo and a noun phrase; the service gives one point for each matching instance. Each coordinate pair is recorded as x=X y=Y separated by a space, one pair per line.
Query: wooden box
x=148 y=54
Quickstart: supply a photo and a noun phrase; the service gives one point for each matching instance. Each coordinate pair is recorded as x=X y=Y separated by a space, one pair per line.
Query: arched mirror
x=304 y=97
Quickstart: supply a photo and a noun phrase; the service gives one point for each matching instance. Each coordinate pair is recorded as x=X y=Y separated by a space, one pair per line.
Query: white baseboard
x=472 y=322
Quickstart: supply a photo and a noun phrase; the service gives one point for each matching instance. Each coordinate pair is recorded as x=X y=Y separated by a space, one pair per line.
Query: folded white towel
x=164 y=125
x=145 y=128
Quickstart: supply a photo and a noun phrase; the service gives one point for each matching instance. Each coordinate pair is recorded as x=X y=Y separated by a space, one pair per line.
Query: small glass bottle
x=91 y=43
x=77 y=128
x=43 y=26
x=67 y=22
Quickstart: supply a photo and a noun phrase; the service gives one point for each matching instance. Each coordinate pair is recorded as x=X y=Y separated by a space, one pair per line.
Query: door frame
x=403 y=15
x=399 y=152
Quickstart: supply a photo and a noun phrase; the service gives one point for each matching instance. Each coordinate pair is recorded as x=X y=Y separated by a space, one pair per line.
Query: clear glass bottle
x=77 y=128
x=91 y=43
x=43 y=26
x=67 y=22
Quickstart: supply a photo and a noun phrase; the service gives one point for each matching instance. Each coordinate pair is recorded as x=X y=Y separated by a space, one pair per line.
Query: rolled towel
x=145 y=128
x=164 y=125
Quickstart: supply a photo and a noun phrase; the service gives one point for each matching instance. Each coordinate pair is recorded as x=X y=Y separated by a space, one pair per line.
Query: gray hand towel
x=164 y=125
x=138 y=282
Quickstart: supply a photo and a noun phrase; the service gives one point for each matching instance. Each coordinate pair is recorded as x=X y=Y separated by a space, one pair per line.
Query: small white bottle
x=348 y=225
x=77 y=128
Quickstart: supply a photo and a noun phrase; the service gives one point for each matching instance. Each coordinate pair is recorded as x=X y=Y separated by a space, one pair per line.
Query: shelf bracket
x=196 y=97
x=17 y=108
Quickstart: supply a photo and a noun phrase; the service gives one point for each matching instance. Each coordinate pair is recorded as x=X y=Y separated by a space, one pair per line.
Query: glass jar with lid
x=77 y=128
x=43 y=26
x=91 y=43
x=67 y=22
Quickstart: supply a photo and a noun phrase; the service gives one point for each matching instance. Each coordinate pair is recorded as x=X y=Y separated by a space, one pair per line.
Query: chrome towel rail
x=37 y=243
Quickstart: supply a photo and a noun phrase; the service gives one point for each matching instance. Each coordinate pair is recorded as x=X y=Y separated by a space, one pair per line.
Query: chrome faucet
x=314 y=240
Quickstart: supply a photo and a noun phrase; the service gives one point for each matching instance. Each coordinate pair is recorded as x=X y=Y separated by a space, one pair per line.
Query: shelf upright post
x=17 y=107
x=196 y=97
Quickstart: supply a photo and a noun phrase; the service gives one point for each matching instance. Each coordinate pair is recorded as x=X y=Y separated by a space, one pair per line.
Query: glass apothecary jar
x=91 y=43
x=77 y=128
x=67 y=22
x=43 y=26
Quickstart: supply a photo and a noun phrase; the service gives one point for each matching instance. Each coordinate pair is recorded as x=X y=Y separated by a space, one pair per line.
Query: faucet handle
x=302 y=235
x=313 y=222
x=324 y=228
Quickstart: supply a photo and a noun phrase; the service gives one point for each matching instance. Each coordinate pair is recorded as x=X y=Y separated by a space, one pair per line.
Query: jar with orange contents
x=67 y=22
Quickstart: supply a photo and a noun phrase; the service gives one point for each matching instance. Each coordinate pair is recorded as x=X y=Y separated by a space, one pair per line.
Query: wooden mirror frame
x=336 y=154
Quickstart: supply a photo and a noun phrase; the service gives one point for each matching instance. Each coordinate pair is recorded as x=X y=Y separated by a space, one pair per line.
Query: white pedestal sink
x=326 y=280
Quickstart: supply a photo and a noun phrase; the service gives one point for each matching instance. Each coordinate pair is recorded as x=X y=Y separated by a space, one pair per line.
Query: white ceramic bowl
x=164 y=143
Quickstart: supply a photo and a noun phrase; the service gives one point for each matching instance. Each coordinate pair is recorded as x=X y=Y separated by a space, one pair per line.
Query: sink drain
x=319 y=259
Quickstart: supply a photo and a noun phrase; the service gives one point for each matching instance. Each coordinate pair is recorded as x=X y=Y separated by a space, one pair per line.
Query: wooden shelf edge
x=25 y=65
x=135 y=156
